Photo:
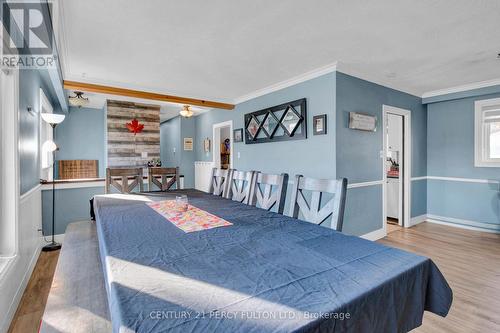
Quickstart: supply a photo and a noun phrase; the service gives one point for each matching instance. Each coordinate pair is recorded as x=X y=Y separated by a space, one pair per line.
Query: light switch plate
x=144 y=154
x=238 y=155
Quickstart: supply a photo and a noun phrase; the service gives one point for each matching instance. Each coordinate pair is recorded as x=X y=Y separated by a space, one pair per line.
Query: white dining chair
x=239 y=186
x=312 y=210
x=269 y=190
x=218 y=182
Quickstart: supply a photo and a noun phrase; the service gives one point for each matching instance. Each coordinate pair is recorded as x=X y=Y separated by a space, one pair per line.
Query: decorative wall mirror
x=287 y=121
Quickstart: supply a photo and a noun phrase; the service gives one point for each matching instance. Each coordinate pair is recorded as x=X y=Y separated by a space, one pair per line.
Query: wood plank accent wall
x=124 y=148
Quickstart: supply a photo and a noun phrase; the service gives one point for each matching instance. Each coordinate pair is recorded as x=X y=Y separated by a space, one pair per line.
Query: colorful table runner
x=194 y=219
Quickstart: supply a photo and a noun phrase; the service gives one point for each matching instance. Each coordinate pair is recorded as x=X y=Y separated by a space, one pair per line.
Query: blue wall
x=450 y=152
x=172 y=134
x=314 y=157
x=72 y=205
x=170 y=139
x=442 y=145
x=451 y=140
x=30 y=82
x=188 y=157
x=81 y=137
x=472 y=204
x=358 y=152
x=341 y=153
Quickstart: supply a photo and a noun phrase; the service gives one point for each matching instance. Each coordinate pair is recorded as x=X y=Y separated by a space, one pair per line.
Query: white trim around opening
x=216 y=144
x=486 y=114
x=406 y=199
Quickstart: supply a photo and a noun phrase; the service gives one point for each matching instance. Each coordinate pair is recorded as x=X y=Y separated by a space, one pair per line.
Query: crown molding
x=461 y=88
x=333 y=67
x=288 y=83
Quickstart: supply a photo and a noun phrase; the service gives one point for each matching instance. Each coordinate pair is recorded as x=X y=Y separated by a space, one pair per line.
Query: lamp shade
x=53 y=118
x=49 y=146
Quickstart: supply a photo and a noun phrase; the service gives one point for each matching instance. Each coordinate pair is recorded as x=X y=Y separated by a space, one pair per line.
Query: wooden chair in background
x=313 y=212
x=262 y=191
x=119 y=177
x=239 y=186
x=218 y=182
x=164 y=184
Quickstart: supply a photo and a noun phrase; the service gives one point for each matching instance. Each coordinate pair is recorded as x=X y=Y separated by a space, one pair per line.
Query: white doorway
x=396 y=167
x=223 y=145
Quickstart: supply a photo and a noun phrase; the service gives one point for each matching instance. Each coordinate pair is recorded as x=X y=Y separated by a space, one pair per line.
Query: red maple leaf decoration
x=135 y=127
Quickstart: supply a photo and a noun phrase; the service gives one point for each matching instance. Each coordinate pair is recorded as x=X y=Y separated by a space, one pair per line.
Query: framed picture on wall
x=362 y=122
x=188 y=143
x=238 y=135
x=206 y=145
x=319 y=124
x=287 y=121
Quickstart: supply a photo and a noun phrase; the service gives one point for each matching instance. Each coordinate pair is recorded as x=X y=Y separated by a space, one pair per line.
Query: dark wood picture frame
x=319 y=129
x=240 y=132
x=297 y=107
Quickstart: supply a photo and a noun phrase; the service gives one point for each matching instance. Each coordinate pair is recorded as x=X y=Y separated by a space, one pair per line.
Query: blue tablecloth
x=266 y=273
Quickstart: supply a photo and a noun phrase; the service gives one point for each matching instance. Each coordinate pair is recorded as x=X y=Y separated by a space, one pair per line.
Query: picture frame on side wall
x=188 y=143
x=319 y=124
x=206 y=145
x=238 y=135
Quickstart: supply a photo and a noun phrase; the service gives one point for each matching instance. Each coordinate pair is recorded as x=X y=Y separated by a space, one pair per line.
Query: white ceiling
x=225 y=49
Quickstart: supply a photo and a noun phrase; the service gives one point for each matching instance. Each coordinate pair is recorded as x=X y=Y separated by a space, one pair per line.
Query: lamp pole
x=53 y=245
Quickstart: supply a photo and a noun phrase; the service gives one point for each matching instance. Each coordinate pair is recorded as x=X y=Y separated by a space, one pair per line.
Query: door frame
x=216 y=137
x=405 y=199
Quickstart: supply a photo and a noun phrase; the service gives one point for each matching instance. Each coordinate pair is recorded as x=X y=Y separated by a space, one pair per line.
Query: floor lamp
x=53 y=119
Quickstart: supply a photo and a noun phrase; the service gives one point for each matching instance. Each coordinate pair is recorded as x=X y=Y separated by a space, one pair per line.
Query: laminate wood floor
x=469 y=260
x=30 y=310
x=391 y=227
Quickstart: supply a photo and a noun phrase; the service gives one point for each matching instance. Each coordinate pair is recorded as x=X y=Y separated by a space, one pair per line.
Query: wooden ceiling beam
x=100 y=89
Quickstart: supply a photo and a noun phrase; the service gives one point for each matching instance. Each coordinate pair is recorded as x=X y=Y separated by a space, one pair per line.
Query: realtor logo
x=28 y=38
x=29 y=27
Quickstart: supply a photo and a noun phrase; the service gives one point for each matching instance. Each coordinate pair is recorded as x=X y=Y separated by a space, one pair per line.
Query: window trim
x=481 y=144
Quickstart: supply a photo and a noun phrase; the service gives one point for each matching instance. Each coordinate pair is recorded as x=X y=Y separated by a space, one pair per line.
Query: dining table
x=253 y=271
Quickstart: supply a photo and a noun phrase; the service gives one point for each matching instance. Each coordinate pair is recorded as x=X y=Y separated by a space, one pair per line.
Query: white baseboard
x=463 y=224
x=417 y=219
x=375 y=235
x=57 y=238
